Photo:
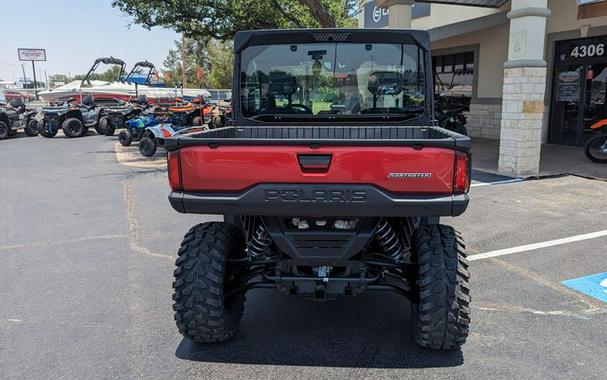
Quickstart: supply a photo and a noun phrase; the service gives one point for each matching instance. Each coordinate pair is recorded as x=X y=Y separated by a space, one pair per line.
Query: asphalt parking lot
x=87 y=245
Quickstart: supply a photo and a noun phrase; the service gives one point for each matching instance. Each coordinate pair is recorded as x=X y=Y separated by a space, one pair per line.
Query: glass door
x=580 y=99
x=594 y=99
x=567 y=111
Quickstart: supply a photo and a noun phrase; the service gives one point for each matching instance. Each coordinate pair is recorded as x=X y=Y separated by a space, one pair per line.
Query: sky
x=74 y=33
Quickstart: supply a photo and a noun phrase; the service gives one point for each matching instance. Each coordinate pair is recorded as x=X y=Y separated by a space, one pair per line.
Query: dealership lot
x=87 y=248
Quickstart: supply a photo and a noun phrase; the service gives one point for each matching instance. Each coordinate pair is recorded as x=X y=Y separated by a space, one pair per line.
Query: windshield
x=322 y=79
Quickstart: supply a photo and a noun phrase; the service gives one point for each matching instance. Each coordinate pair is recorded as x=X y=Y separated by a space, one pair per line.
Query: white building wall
x=445 y=14
x=564 y=17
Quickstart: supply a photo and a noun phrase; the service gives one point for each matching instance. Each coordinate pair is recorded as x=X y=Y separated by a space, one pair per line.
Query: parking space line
x=534 y=246
x=514 y=180
x=133 y=235
x=62 y=242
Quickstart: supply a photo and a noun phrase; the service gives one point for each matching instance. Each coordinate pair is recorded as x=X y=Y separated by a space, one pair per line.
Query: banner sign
x=569 y=86
x=31 y=54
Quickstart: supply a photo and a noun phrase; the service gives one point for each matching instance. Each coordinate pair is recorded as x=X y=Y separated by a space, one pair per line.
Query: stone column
x=524 y=89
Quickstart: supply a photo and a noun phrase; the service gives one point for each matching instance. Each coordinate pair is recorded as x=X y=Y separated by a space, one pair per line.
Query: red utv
x=331 y=182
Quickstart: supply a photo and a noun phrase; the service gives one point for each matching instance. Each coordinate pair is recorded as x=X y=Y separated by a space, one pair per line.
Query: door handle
x=314 y=162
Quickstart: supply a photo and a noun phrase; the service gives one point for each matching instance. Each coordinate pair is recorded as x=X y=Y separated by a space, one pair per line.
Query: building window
x=454 y=78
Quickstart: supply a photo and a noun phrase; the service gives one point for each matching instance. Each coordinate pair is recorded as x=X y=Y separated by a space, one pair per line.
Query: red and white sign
x=31 y=54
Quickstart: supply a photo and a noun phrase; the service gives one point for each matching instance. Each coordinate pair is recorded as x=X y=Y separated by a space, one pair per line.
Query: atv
x=73 y=120
x=156 y=135
x=135 y=128
x=195 y=113
x=112 y=118
x=325 y=199
x=17 y=116
x=221 y=114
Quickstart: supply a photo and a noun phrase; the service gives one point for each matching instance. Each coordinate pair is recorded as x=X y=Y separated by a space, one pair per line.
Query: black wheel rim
x=3 y=130
x=598 y=147
x=147 y=147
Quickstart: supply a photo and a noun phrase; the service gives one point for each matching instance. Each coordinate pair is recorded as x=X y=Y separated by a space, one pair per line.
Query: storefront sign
x=31 y=54
x=585 y=50
x=569 y=86
x=375 y=17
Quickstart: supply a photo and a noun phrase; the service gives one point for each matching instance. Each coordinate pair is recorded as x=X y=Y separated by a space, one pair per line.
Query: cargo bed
x=341 y=171
x=428 y=136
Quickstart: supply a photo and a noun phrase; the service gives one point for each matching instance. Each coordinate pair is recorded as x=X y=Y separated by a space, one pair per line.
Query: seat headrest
x=88 y=100
x=18 y=102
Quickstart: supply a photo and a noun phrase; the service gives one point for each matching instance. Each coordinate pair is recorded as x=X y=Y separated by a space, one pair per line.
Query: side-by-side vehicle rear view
x=332 y=180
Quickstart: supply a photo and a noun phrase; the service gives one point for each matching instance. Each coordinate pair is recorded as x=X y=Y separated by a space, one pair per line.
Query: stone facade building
x=529 y=71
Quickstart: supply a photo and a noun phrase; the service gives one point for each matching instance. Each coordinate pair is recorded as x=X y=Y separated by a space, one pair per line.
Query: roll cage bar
x=107 y=61
x=151 y=70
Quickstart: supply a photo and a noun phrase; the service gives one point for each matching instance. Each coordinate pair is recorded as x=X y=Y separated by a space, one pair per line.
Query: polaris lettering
x=316 y=196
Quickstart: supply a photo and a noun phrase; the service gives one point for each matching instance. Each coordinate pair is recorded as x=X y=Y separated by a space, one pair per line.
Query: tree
x=220 y=19
x=193 y=55
x=214 y=58
x=221 y=61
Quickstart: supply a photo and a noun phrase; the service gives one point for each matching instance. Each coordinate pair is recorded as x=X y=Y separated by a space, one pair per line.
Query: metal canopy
x=474 y=3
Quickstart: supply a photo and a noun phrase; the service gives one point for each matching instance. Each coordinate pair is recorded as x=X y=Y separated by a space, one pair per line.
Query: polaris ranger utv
x=331 y=182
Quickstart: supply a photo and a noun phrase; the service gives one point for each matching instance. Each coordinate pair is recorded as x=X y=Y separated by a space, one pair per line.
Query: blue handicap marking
x=594 y=285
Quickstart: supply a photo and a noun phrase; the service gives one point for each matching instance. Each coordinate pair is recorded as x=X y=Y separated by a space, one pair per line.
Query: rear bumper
x=318 y=200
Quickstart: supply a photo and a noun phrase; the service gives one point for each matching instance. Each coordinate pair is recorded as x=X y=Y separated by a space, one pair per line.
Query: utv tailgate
x=365 y=171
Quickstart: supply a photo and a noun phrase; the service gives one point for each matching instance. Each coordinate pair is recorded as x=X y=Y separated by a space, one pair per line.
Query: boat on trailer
x=139 y=81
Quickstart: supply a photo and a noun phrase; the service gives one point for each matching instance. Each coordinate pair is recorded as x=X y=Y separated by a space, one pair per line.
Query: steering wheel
x=302 y=107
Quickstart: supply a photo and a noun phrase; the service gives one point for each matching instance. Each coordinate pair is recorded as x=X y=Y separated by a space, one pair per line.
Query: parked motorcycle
x=596 y=146
x=452 y=119
x=17 y=116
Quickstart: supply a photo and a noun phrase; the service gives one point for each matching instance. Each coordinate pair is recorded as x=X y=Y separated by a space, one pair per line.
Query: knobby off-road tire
x=105 y=127
x=202 y=278
x=31 y=129
x=441 y=320
x=147 y=146
x=125 y=138
x=47 y=132
x=4 y=130
x=73 y=127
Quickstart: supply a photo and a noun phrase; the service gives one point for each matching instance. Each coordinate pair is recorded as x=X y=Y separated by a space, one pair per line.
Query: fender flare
x=599 y=124
x=154 y=131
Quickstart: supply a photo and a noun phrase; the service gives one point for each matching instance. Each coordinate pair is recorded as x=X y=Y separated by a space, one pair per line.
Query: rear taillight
x=174 y=171
x=461 y=180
